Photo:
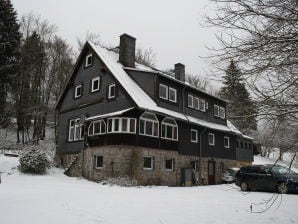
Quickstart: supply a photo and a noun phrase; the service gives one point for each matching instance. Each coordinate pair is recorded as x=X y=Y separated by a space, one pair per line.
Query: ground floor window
x=211 y=139
x=169 y=163
x=98 y=162
x=148 y=162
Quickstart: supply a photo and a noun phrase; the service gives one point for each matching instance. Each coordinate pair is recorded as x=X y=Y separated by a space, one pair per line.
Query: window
x=89 y=60
x=122 y=125
x=163 y=92
x=149 y=125
x=202 y=105
x=227 y=142
x=112 y=91
x=216 y=110
x=97 y=128
x=222 y=112
x=148 y=162
x=169 y=129
x=75 y=131
x=98 y=162
x=194 y=136
x=78 y=91
x=190 y=101
x=172 y=95
x=194 y=164
x=211 y=139
x=169 y=164
x=196 y=103
x=95 y=84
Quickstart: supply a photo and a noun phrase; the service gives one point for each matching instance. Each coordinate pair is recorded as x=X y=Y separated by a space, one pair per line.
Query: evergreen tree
x=9 y=52
x=241 y=110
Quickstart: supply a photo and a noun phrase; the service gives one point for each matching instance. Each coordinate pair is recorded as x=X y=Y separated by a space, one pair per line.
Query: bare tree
x=200 y=83
x=145 y=56
x=262 y=36
x=90 y=36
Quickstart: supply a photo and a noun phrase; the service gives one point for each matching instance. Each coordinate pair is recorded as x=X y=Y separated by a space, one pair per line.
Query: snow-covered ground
x=56 y=198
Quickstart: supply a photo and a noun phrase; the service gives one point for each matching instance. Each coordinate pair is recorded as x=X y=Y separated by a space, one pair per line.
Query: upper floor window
x=202 y=105
x=194 y=136
x=97 y=128
x=88 y=60
x=78 y=91
x=112 y=91
x=169 y=129
x=222 y=112
x=190 y=101
x=95 y=83
x=211 y=139
x=122 y=125
x=196 y=103
x=172 y=95
x=216 y=110
x=227 y=142
x=75 y=131
x=149 y=125
x=163 y=91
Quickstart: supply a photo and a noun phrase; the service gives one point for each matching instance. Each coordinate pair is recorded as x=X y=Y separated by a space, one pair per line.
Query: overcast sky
x=172 y=28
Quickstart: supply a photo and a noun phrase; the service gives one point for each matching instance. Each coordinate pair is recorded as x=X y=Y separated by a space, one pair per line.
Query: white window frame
x=76 y=91
x=196 y=134
x=213 y=139
x=110 y=96
x=146 y=120
x=198 y=100
x=152 y=163
x=202 y=105
x=165 y=124
x=98 y=167
x=190 y=102
x=222 y=112
x=172 y=162
x=175 y=95
x=76 y=127
x=167 y=91
x=92 y=84
x=91 y=126
x=216 y=114
x=120 y=128
x=87 y=59
x=226 y=146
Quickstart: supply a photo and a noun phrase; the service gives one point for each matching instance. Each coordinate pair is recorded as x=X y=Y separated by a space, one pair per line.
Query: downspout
x=200 y=156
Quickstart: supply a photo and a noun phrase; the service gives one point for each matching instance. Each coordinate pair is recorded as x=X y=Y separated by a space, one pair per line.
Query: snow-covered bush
x=33 y=160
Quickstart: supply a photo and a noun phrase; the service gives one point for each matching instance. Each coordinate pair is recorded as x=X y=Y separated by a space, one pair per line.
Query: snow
x=109 y=114
x=56 y=198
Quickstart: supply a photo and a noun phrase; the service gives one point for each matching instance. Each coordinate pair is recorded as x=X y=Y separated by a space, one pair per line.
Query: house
x=117 y=117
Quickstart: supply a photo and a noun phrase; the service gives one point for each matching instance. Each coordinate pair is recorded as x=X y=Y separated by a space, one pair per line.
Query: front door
x=211 y=172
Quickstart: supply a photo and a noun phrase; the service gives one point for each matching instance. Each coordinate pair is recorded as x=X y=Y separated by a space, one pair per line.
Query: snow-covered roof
x=139 y=96
x=108 y=114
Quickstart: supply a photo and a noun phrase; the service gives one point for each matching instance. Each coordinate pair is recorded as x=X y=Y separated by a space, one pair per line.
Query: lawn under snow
x=56 y=198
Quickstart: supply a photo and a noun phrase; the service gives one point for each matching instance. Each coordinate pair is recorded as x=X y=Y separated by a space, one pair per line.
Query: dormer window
x=222 y=112
x=172 y=95
x=112 y=91
x=163 y=92
x=78 y=91
x=216 y=110
x=95 y=84
x=88 y=60
x=190 y=101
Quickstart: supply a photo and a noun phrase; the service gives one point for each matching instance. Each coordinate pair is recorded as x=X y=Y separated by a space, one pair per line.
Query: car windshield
x=281 y=170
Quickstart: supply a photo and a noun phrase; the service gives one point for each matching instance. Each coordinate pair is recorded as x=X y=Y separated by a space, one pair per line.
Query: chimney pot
x=127 y=50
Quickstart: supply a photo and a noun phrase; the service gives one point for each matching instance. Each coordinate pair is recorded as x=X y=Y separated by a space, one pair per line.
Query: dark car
x=229 y=175
x=272 y=178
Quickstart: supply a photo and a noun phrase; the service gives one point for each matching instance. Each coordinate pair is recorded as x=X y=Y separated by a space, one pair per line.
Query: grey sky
x=170 y=27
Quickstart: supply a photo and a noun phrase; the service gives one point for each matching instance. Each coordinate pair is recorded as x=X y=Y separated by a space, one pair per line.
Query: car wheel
x=282 y=188
x=244 y=186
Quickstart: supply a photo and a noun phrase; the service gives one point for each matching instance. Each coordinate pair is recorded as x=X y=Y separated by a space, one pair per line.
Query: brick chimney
x=127 y=50
x=180 y=72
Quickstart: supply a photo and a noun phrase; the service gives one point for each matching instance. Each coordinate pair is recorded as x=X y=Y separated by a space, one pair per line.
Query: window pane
x=124 y=125
x=149 y=128
x=132 y=126
x=103 y=127
x=190 y=101
x=169 y=131
x=172 y=95
x=142 y=127
x=202 y=105
x=116 y=124
x=163 y=91
x=71 y=133
x=155 y=130
x=90 y=130
x=175 y=133
x=196 y=103
x=163 y=131
x=148 y=162
x=110 y=121
x=77 y=132
x=194 y=136
x=97 y=127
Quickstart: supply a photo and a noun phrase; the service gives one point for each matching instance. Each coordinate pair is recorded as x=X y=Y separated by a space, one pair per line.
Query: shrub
x=33 y=160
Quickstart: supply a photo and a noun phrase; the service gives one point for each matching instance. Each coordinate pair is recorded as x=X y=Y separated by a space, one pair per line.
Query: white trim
x=213 y=137
x=86 y=60
x=110 y=96
x=196 y=134
x=172 y=165
x=156 y=121
x=77 y=130
x=91 y=125
x=188 y=101
x=76 y=89
x=147 y=168
x=109 y=114
x=165 y=124
x=92 y=84
x=167 y=94
x=228 y=146
x=120 y=125
x=175 y=95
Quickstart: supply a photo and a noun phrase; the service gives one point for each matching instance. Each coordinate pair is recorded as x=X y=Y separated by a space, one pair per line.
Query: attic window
x=112 y=91
x=163 y=92
x=95 y=84
x=222 y=112
x=88 y=60
x=216 y=110
x=78 y=91
x=172 y=95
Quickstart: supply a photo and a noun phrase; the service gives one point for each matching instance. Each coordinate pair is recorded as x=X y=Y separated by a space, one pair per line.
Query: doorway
x=211 y=172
